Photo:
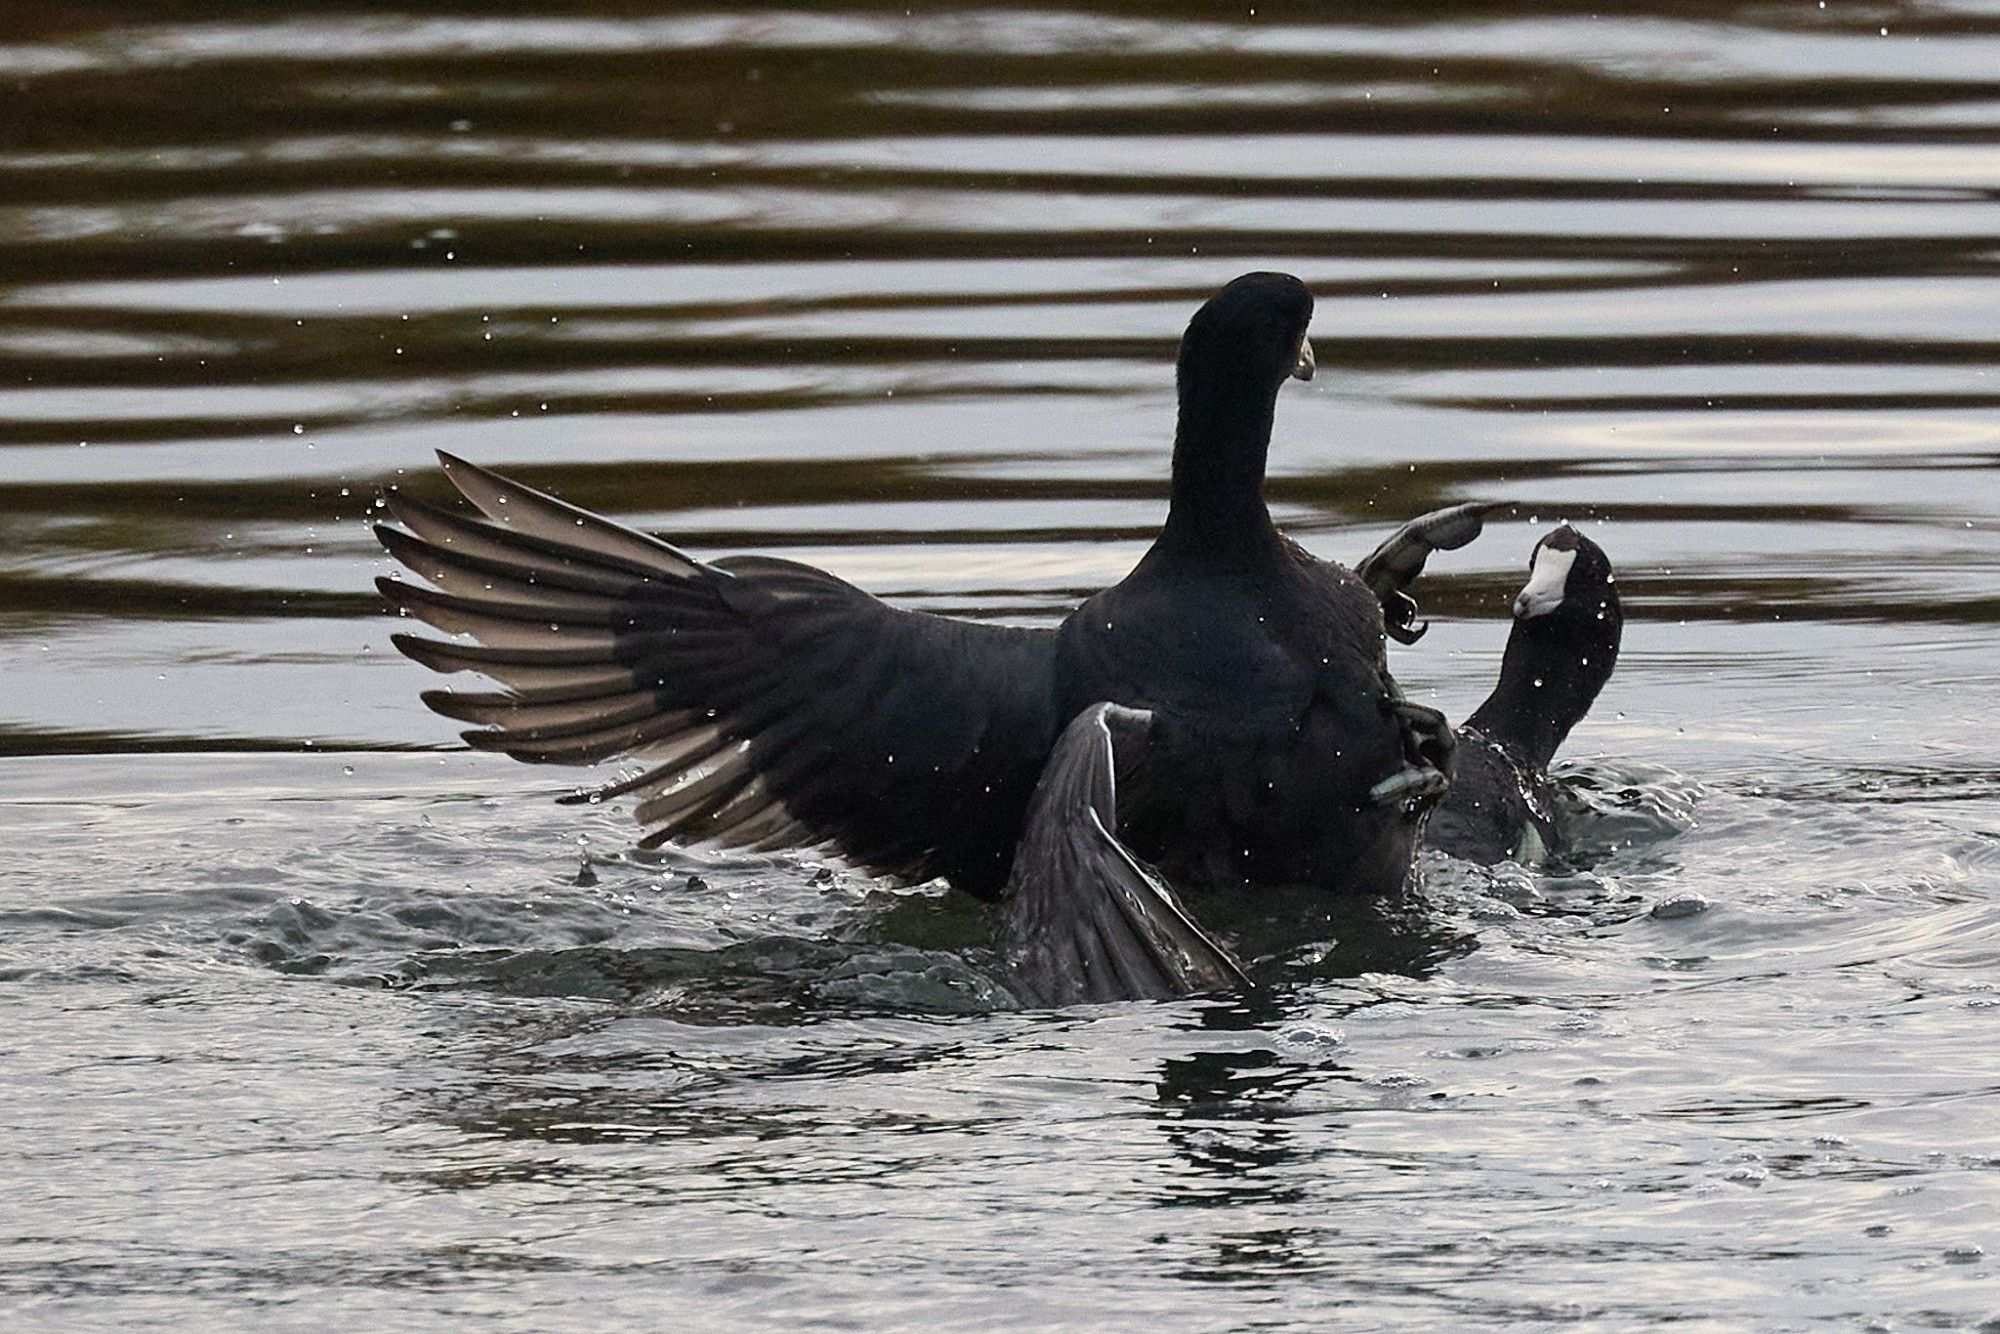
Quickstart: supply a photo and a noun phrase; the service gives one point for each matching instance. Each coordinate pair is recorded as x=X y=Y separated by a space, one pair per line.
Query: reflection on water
x=309 y=1006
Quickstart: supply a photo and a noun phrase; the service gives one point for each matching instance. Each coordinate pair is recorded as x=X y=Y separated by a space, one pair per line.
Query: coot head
x=1252 y=332
x=1567 y=626
x=1570 y=591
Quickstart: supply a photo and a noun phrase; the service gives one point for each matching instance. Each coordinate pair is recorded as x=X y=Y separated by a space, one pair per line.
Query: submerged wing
x=1391 y=568
x=1085 y=920
x=766 y=704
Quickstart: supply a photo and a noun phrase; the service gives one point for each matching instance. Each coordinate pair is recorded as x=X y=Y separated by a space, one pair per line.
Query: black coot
x=767 y=704
x=1086 y=920
x=1567 y=625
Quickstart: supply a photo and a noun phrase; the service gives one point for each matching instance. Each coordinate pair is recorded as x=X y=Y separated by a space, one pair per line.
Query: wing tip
x=424 y=652
x=450 y=704
x=409 y=511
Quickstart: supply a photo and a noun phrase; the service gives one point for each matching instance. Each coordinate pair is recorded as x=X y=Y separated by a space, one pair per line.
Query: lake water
x=309 y=1015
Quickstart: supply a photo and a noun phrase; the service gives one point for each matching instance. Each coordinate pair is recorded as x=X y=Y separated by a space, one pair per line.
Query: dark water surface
x=306 y=1014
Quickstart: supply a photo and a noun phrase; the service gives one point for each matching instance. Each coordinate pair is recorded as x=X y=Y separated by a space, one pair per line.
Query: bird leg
x=1429 y=746
x=1391 y=568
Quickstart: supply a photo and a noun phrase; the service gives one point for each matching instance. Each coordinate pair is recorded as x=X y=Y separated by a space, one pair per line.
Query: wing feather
x=524 y=718
x=563 y=525
x=769 y=704
x=1086 y=921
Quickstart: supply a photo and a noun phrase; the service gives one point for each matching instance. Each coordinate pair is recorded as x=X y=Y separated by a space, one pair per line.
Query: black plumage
x=1086 y=920
x=770 y=705
x=1561 y=651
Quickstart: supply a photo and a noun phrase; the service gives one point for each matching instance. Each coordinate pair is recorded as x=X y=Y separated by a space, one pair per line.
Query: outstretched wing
x=767 y=704
x=1086 y=921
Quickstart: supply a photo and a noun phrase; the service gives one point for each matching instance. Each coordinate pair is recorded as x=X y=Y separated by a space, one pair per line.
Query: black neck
x=1220 y=446
x=1540 y=697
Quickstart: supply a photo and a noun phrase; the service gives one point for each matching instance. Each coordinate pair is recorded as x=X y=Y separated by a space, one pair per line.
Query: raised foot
x=1391 y=568
x=1429 y=746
